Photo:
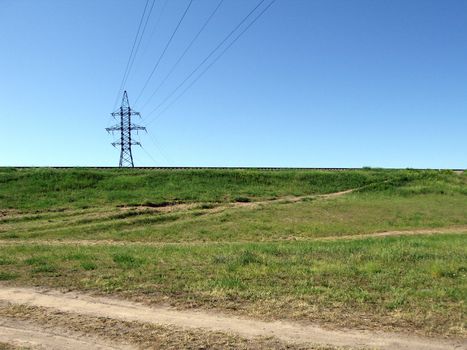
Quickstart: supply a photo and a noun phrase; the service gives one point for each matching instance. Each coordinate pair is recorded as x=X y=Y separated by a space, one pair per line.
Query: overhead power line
x=164 y=51
x=135 y=47
x=139 y=43
x=184 y=52
x=212 y=63
x=210 y=55
x=157 y=22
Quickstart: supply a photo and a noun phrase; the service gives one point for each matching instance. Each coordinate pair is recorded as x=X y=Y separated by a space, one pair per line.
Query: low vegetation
x=244 y=241
x=416 y=281
x=350 y=214
x=61 y=189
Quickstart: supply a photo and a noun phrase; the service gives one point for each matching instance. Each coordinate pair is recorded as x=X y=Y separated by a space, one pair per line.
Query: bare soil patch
x=140 y=335
x=32 y=336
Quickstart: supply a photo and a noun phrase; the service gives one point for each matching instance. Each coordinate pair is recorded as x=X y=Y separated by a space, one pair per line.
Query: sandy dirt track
x=23 y=334
x=247 y=328
x=86 y=242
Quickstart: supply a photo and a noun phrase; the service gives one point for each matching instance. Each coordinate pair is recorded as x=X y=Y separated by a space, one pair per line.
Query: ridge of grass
x=58 y=189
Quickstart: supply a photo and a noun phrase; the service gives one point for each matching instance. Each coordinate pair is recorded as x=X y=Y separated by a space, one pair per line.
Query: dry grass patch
x=144 y=335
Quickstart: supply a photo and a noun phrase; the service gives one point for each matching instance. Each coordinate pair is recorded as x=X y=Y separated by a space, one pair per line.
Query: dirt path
x=216 y=207
x=82 y=218
x=23 y=334
x=247 y=328
x=294 y=199
x=430 y=231
x=169 y=207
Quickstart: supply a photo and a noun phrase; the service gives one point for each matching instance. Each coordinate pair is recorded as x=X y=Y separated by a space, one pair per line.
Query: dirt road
x=248 y=328
x=23 y=334
x=86 y=242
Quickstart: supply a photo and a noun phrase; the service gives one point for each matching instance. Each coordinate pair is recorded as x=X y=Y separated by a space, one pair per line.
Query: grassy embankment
x=252 y=265
x=125 y=205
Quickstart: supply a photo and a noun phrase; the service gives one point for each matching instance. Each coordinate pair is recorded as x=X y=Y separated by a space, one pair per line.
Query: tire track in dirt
x=285 y=331
x=23 y=334
x=418 y=232
x=83 y=219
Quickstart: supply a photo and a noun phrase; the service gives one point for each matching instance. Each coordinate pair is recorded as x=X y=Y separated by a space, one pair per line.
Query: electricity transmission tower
x=125 y=128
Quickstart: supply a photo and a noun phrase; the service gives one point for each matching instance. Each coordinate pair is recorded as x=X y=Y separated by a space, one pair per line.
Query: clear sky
x=313 y=83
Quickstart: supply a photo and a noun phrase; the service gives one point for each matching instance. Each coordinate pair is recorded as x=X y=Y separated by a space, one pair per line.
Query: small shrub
x=247 y=257
x=44 y=268
x=230 y=283
x=35 y=261
x=5 y=261
x=397 y=302
x=158 y=205
x=7 y=276
x=10 y=235
x=88 y=266
x=207 y=206
x=75 y=256
x=241 y=199
x=126 y=260
x=220 y=259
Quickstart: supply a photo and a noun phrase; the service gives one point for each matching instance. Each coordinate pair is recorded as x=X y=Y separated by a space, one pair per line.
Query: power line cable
x=184 y=52
x=139 y=42
x=147 y=153
x=208 y=57
x=156 y=24
x=132 y=51
x=212 y=63
x=164 y=51
x=158 y=148
x=162 y=151
x=150 y=156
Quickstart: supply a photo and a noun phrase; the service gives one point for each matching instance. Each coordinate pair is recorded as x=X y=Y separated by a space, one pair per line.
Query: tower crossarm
x=125 y=111
x=113 y=128
x=133 y=143
x=137 y=127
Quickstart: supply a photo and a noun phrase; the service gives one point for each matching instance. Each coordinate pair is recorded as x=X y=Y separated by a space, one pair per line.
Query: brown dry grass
x=4 y=346
x=143 y=335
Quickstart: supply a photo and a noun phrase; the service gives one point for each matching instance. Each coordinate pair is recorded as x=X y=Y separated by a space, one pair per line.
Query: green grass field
x=247 y=241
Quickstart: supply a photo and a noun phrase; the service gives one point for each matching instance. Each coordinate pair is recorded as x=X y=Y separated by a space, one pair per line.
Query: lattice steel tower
x=125 y=128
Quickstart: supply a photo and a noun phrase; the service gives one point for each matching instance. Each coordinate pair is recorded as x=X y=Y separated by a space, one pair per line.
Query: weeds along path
x=24 y=334
x=289 y=332
x=418 y=232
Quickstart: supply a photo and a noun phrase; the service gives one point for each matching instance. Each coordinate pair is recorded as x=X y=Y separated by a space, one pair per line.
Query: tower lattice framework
x=125 y=127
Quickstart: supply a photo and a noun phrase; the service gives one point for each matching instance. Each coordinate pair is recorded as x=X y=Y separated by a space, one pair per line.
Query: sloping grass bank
x=46 y=189
x=348 y=215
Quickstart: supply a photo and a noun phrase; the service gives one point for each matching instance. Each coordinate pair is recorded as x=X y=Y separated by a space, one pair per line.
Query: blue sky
x=313 y=83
